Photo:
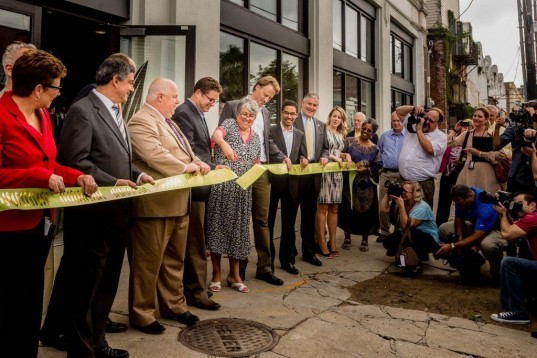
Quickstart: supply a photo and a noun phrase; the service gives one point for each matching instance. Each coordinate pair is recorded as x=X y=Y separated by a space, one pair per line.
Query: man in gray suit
x=290 y=141
x=190 y=117
x=264 y=89
x=309 y=185
x=95 y=140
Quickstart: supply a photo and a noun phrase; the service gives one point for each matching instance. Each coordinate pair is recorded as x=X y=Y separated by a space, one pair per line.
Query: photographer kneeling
x=416 y=213
x=517 y=274
x=476 y=225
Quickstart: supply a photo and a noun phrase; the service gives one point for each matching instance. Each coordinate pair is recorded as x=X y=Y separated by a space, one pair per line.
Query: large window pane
x=337 y=25
x=290 y=14
x=367 y=98
x=351 y=31
x=407 y=62
x=351 y=95
x=231 y=67
x=291 y=66
x=266 y=8
x=338 y=89
x=366 y=40
x=398 y=56
x=263 y=62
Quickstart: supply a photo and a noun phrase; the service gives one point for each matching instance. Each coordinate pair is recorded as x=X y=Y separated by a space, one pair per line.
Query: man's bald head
x=163 y=96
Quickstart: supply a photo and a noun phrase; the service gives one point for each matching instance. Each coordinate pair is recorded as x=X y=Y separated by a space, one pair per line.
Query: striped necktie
x=119 y=121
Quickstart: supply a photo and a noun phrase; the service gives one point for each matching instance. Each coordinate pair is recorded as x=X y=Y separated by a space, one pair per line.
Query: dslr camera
x=503 y=197
x=414 y=119
x=521 y=120
x=394 y=188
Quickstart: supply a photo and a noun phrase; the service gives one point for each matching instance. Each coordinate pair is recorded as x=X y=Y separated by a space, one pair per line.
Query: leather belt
x=390 y=170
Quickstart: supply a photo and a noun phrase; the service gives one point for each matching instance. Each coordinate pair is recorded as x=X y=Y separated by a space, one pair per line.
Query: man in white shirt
x=423 y=148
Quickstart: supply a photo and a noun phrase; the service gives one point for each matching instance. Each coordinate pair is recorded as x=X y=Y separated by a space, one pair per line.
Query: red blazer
x=27 y=160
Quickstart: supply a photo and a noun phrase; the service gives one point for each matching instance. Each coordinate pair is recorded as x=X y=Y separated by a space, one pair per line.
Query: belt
x=419 y=181
x=390 y=170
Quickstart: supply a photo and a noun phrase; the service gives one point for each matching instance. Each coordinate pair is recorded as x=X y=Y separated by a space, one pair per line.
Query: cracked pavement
x=314 y=317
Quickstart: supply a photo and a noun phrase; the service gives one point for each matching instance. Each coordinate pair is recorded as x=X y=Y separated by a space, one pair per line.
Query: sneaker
x=510 y=317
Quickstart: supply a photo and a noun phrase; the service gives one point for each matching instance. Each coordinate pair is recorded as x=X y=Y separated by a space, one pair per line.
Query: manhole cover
x=229 y=337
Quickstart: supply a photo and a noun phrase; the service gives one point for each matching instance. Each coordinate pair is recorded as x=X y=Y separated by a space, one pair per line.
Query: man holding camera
x=423 y=147
x=476 y=224
x=517 y=274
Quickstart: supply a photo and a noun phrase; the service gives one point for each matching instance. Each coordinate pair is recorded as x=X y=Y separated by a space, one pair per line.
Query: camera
x=414 y=119
x=503 y=197
x=465 y=124
x=522 y=120
x=394 y=188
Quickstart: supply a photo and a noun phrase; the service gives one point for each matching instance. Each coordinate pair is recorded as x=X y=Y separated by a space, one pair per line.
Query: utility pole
x=529 y=42
x=522 y=49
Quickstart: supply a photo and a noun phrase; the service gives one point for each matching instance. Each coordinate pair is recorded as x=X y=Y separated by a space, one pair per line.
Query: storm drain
x=229 y=337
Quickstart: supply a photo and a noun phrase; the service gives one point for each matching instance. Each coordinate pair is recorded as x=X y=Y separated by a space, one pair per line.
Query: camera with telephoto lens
x=394 y=188
x=503 y=197
x=521 y=120
x=414 y=119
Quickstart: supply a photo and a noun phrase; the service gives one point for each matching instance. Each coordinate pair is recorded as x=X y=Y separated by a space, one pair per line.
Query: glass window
x=231 y=67
x=367 y=98
x=407 y=62
x=366 y=40
x=291 y=68
x=351 y=31
x=290 y=14
x=263 y=62
x=266 y=8
x=238 y=2
x=400 y=99
x=351 y=95
x=337 y=25
x=398 y=57
x=338 y=90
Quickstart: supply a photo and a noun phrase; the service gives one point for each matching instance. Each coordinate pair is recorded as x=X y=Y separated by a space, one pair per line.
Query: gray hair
x=372 y=122
x=247 y=103
x=11 y=54
x=118 y=64
x=310 y=95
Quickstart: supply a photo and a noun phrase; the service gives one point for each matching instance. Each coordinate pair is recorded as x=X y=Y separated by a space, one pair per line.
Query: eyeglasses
x=51 y=86
x=247 y=115
x=292 y=114
x=211 y=100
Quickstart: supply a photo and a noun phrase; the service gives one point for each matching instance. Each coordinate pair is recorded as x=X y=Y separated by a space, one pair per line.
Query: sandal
x=364 y=247
x=321 y=253
x=215 y=286
x=346 y=244
x=334 y=253
x=238 y=286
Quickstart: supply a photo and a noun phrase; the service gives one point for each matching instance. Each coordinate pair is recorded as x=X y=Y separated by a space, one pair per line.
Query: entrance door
x=13 y=27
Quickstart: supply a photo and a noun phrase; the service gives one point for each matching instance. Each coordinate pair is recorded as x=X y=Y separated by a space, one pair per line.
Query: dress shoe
x=269 y=277
x=312 y=260
x=152 y=328
x=207 y=304
x=108 y=352
x=58 y=341
x=114 y=327
x=291 y=269
x=209 y=293
x=187 y=319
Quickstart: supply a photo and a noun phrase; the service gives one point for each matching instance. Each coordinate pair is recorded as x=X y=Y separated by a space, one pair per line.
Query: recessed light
x=100 y=32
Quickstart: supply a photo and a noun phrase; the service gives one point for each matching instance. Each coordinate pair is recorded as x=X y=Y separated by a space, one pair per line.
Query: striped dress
x=332 y=183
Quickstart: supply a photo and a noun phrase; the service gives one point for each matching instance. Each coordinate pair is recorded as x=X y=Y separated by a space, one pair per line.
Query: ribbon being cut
x=31 y=199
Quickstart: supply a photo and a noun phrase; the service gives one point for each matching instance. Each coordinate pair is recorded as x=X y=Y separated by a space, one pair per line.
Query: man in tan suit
x=157 y=244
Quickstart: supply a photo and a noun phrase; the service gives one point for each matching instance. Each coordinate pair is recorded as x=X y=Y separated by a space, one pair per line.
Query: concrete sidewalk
x=313 y=316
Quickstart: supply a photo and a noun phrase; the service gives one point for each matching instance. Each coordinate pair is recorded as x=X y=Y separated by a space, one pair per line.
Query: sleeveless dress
x=332 y=183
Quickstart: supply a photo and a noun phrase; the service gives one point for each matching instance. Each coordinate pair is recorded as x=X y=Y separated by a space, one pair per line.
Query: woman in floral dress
x=229 y=206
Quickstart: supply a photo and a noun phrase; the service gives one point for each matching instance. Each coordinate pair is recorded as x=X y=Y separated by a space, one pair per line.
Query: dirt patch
x=436 y=294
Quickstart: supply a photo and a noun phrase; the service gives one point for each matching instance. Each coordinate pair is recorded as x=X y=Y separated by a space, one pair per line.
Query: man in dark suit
x=310 y=185
x=95 y=140
x=264 y=89
x=190 y=117
x=290 y=141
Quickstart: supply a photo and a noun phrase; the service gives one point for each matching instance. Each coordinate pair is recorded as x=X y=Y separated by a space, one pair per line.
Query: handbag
x=501 y=169
x=454 y=168
x=405 y=256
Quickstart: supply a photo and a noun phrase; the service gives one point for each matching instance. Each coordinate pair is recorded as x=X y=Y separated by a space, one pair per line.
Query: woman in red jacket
x=28 y=160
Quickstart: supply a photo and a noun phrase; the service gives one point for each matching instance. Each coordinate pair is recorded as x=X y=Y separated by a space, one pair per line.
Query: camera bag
x=405 y=256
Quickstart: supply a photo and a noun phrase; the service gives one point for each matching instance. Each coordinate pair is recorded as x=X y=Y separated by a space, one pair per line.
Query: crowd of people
x=168 y=236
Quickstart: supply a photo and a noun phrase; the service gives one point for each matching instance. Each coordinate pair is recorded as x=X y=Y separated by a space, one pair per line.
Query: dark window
x=400 y=99
x=354 y=94
x=231 y=67
x=401 y=57
x=286 y=12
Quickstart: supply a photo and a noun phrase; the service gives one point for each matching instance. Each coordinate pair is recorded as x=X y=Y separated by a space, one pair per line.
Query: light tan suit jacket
x=158 y=152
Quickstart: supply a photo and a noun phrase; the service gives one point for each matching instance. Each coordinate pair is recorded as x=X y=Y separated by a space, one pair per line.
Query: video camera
x=414 y=119
x=503 y=197
x=521 y=120
x=394 y=188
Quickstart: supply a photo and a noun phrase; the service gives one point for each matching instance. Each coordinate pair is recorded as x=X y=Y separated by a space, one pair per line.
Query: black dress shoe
x=207 y=304
x=187 y=319
x=269 y=277
x=108 y=352
x=312 y=260
x=291 y=269
x=209 y=293
x=58 y=341
x=114 y=327
x=152 y=328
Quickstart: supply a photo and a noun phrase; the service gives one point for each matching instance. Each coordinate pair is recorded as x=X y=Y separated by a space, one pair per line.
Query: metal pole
x=530 y=52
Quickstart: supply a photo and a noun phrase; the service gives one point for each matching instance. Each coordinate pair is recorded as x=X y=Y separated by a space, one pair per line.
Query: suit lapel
x=296 y=146
x=106 y=117
x=199 y=121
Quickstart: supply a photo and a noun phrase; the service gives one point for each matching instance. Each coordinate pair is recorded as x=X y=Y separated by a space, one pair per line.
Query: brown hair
x=207 y=84
x=35 y=67
x=268 y=80
x=342 y=128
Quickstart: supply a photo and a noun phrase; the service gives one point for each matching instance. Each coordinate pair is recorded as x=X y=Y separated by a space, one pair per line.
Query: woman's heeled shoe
x=321 y=253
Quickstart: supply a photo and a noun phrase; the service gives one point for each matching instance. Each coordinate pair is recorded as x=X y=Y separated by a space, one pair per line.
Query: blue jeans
x=515 y=273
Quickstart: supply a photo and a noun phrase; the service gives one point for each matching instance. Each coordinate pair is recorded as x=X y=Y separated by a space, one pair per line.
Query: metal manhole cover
x=229 y=337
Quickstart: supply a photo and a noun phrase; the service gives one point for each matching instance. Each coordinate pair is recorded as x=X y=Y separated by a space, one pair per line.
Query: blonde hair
x=343 y=127
x=417 y=192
